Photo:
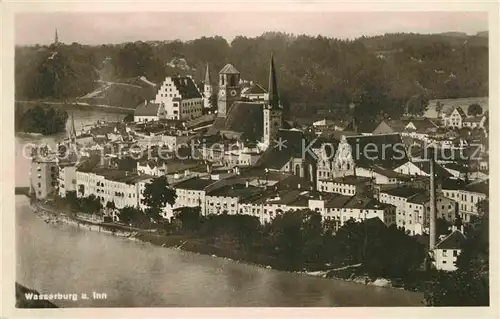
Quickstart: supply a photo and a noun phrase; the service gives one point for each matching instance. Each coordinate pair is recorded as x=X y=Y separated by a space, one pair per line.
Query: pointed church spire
x=207 y=76
x=56 y=38
x=72 y=130
x=274 y=100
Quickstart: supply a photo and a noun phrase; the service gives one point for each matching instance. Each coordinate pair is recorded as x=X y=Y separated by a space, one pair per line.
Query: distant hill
x=126 y=93
x=482 y=34
x=455 y=34
x=380 y=74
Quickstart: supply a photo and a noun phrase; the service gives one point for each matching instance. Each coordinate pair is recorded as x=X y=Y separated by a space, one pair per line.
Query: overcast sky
x=99 y=28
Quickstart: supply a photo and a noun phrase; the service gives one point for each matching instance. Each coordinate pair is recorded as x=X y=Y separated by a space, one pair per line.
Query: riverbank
x=195 y=244
x=69 y=105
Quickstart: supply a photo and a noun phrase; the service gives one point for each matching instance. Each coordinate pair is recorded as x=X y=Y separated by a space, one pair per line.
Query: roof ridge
x=449 y=235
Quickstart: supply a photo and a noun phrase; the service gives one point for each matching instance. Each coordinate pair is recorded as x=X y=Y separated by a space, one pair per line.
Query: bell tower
x=229 y=89
x=273 y=110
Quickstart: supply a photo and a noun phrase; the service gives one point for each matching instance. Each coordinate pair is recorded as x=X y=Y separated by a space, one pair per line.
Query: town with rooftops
x=227 y=146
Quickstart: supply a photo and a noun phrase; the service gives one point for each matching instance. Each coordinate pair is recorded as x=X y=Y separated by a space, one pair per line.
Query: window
x=455 y=253
x=444 y=261
x=445 y=253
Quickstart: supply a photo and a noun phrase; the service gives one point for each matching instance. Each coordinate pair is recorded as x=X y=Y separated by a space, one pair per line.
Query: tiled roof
x=256 y=88
x=276 y=158
x=386 y=172
x=351 y=180
x=422 y=125
x=238 y=190
x=420 y=198
x=395 y=125
x=454 y=240
x=147 y=109
x=473 y=119
x=229 y=69
x=246 y=118
x=387 y=150
x=438 y=169
x=194 y=183
x=404 y=191
x=456 y=167
x=481 y=187
x=186 y=87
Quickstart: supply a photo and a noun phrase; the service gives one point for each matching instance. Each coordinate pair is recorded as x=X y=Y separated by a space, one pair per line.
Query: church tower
x=229 y=89
x=72 y=132
x=207 y=89
x=56 y=39
x=273 y=110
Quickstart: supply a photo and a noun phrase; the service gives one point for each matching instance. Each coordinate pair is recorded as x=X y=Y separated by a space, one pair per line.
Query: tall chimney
x=432 y=217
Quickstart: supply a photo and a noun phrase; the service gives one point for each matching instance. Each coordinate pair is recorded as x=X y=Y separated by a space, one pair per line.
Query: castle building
x=177 y=98
x=229 y=89
x=207 y=89
x=273 y=111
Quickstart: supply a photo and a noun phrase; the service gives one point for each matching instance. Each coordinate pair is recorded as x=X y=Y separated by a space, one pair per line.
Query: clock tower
x=229 y=89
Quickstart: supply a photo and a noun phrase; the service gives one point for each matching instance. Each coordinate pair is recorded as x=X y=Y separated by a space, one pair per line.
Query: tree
x=129 y=118
x=132 y=215
x=190 y=218
x=90 y=204
x=417 y=105
x=157 y=195
x=110 y=206
x=474 y=110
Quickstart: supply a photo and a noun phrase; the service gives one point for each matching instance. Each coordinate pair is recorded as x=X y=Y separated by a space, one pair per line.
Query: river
x=58 y=258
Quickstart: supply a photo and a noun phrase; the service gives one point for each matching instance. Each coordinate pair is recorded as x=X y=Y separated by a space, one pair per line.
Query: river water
x=58 y=258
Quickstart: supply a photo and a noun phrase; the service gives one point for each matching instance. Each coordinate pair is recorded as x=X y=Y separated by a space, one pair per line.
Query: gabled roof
x=229 y=69
x=390 y=126
x=186 y=87
x=384 y=150
x=455 y=240
x=256 y=88
x=276 y=157
x=147 y=109
x=459 y=110
x=422 y=125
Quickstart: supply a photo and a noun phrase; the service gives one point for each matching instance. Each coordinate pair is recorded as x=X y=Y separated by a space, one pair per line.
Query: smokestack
x=432 y=224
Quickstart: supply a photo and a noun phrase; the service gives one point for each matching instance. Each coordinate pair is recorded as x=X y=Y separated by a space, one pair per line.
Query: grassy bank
x=199 y=245
x=22 y=302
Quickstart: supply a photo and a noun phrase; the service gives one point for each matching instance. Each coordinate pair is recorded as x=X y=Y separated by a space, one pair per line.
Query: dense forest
x=383 y=75
x=40 y=120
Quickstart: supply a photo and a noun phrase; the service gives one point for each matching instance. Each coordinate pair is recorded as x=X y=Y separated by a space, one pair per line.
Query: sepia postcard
x=261 y=159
